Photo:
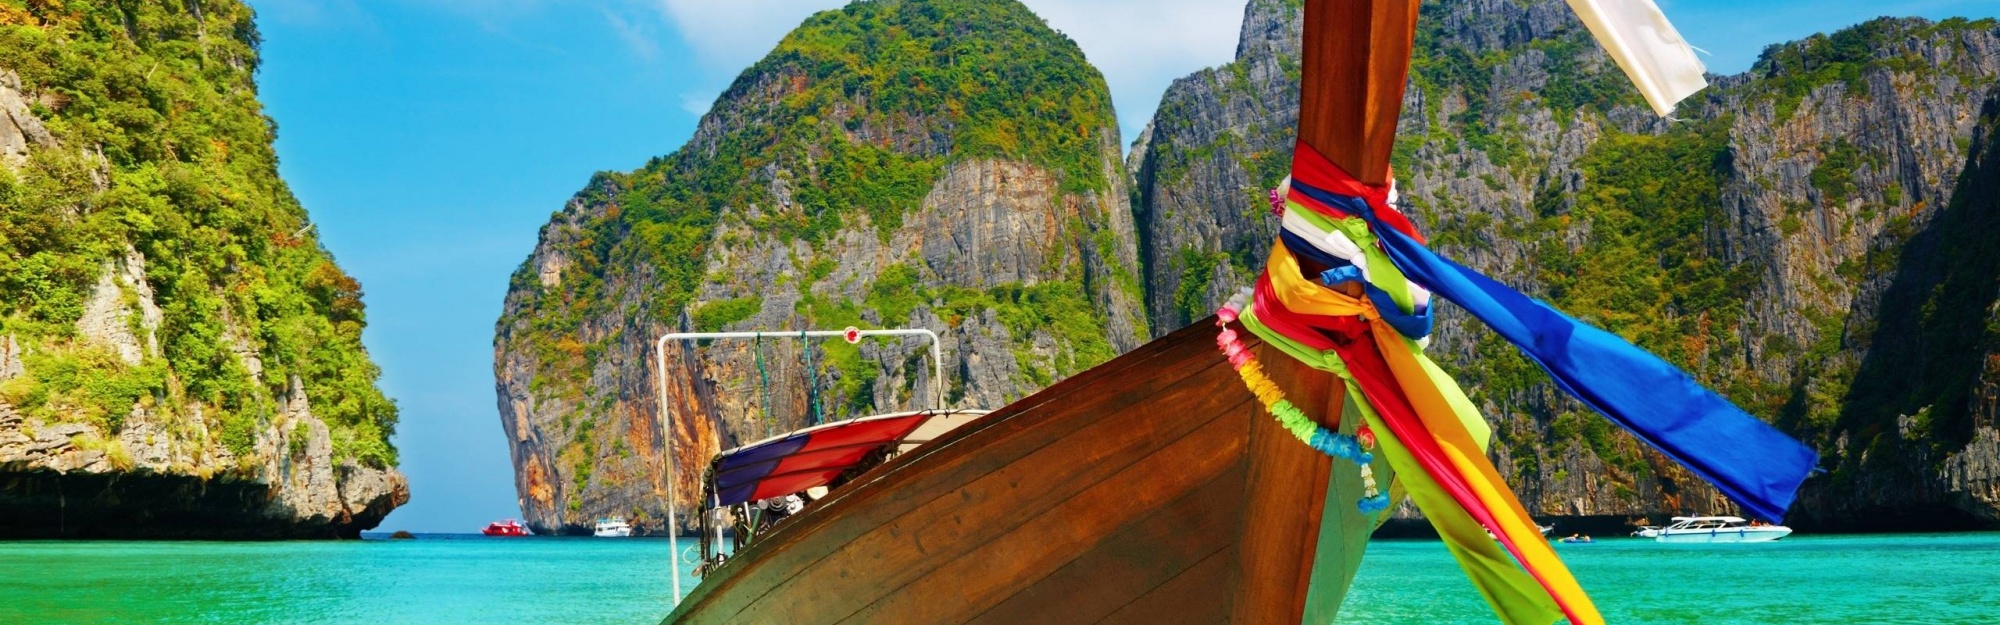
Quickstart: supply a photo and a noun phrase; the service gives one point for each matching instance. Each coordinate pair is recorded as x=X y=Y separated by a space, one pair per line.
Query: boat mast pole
x=1354 y=65
x=1355 y=59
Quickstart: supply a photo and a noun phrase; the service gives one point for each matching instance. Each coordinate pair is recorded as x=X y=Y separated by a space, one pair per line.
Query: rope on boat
x=765 y=385
x=812 y=384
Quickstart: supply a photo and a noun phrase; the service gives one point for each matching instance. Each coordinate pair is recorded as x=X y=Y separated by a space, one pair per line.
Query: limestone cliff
x=179 y=357
x=941 y=164
x=1801 y=239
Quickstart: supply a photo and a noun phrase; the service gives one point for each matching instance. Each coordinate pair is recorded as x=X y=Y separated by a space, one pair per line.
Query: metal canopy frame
x=660 y=364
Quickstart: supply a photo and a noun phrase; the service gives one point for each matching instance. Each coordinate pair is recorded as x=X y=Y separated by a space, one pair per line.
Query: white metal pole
x=937 y=361
x=666 y=431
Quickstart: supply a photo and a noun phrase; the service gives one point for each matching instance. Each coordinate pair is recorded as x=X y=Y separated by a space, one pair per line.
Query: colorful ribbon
x=1751 y=462
x=1331 y=443
x=1513 y=594
x=1428 y=420
x=1361 y=310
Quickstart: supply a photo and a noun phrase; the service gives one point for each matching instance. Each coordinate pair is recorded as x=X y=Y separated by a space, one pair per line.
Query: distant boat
x=1544 y=529
x=1647 y=531
x=1718 y=529
x=509 y=527
x=612 y=527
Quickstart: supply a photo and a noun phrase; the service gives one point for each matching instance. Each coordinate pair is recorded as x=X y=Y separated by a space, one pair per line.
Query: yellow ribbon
x=1449 y=417
x=1513 y=594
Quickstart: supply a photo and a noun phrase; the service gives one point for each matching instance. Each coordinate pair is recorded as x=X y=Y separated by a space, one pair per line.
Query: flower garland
x=1351 y=448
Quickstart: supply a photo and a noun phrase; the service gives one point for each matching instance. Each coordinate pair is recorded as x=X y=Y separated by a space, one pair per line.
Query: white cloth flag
x=1639 y=37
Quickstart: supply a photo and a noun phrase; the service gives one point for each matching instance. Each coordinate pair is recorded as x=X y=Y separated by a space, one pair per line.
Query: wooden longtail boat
x=1150 y=489
x=1154 y=488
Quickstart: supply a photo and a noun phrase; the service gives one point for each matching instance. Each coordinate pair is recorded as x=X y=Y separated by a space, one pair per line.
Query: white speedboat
x=612 y=527
x=1648 y=531
x=1719 y=529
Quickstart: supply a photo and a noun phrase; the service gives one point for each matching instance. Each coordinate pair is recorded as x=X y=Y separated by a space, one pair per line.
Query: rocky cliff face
x=939 y=164
x=178 y=357
x=1221 y=138
x=1800 y=239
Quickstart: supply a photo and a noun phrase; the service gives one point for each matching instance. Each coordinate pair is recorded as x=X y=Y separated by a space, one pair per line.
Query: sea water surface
x=1927 y=578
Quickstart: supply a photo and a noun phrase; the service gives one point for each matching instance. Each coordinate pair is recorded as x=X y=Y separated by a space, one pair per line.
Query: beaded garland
x=1351 y=448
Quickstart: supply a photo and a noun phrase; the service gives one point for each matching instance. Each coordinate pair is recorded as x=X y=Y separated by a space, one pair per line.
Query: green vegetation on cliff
x=1643 y=246
x=1939 y=322
x=853 y=116
x=1790 y=71
x=1791 y=238
x=1061 y=308
x=161 y=147
x=1642 y=270
x=1640 y=266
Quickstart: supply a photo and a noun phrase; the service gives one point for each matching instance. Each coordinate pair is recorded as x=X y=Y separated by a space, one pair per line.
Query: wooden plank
x=988 y=506
x=969 y=584
x=999 y=439
x=874 y=545
x=1065 y=493
x=1354 y=62
x=1151 y=552
x=1283 y=498
x=1190 y=597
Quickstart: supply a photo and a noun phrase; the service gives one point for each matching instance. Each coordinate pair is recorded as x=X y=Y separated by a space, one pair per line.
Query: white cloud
x=1140 y=45
x=315 y=13
x=696 y=103
x=1737 y=32
x=728 y=35
x=636 y=35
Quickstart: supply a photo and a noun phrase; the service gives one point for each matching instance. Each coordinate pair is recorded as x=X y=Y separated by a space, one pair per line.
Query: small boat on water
x=1719 y=529
x=612 y=527
x=1647 y=531
x=509 y=527
x=1544 y=529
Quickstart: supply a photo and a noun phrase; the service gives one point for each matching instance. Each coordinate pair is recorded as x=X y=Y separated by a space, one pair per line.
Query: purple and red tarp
x=807 y=458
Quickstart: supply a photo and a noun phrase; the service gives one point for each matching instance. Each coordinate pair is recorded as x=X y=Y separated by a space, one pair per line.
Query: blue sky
x=431 y=139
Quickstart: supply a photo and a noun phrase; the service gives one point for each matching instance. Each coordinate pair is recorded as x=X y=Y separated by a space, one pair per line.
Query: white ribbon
x=1339 y=246
x=1647 y=46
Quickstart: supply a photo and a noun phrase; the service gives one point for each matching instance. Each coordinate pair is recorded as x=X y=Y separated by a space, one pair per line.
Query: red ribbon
x=1349 y=337
x=1313 y=169
x=1296 y=326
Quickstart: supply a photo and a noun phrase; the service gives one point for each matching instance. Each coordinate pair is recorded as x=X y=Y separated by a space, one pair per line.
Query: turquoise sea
x=1930 y=578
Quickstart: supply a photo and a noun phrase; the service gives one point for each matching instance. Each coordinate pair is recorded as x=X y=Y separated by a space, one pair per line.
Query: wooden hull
x=1151 y=489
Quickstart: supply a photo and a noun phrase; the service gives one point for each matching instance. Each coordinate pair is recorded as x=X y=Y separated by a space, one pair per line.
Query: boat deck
x=1150 y=489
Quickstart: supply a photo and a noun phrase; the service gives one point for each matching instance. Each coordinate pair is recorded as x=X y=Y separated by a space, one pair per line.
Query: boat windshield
x=1703 y=523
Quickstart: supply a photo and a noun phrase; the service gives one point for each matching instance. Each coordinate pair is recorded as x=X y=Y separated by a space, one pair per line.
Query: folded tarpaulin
x=808 y=458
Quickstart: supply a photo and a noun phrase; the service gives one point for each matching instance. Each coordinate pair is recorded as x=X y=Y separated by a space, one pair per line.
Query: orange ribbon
x=1445 y=415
